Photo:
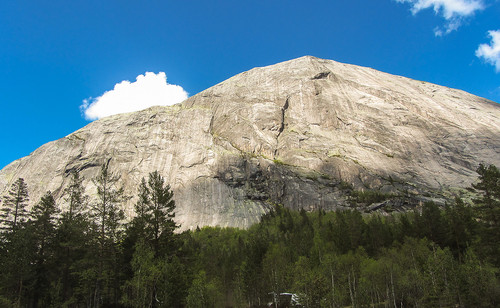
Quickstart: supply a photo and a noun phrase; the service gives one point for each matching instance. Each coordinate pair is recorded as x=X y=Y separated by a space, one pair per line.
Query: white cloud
x=454 y=11
x=491 y=53
x=148 y=90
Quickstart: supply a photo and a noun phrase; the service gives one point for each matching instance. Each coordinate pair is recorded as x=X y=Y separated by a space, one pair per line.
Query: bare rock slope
x=299 y=133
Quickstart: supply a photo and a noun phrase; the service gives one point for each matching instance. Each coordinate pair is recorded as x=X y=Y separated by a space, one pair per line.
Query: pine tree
x=160 y=211
x=43 y=220
x=107 y=216
x=461 y=227
x=106 y=211
x=155 y=212
x=18 y=242
x=488 y=207
x=152 y=230
x=72 y=239
x=16 y=266
x=14 y=211
x=75 y=196
x=137 y=228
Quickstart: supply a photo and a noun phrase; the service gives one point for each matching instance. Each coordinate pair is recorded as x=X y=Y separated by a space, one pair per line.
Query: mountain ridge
x=290 y=133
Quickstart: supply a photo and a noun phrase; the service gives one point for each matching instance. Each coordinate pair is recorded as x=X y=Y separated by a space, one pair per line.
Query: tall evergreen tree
x=488 y=205
x=43 y=221
x=14 y=206
x=155 y=211
x=107 y=216
x=461 y=227
x=160 y=220
x=17 y=242
x=107 y=212
x=137 y=228
x=75 y=196
x=153 y=231
x=73 y=240
x=430 y=223
x=16 y=265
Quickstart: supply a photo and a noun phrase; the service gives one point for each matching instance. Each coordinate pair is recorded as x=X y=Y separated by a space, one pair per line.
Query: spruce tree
x=73 y=239
x=17 y=241
x=155 y=212
x=107 y=216
x=75 y=196
x=488 y=207
x=13 y=211
x=160 y=211
x=106 y=212
x=43 y=221
x=153 y=231
x=138 y=224
x=489 y=187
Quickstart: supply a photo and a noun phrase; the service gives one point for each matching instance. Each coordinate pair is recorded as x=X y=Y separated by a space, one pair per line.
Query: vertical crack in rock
x=282 y=126
x=211 y=125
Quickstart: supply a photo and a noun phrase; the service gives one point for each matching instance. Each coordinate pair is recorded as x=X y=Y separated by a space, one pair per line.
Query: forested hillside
x=87 y=256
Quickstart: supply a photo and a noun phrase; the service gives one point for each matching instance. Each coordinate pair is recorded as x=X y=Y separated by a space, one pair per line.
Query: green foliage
x=155 y=211
x=76 y=249
x=345 y=185
x=5 y=303
x=107 y=216
x=43 y=224
x=369 y=196
x=106 y=212
x=139 y=291
x=43 y=215
x=312 y=287
x=13 y=211
x=157 y=275
x=16 y=265
x=488 y=210
x=204 y=293
x=431 y=257
x=156 y=282
x=278 y=162
x=489 y=183
x=75 y=196
x=430 y=223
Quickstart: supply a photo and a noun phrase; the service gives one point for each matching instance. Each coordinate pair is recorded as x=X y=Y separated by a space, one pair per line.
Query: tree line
x=88 y=256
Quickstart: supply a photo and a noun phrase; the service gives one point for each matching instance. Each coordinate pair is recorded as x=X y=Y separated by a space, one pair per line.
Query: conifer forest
x=84 y=253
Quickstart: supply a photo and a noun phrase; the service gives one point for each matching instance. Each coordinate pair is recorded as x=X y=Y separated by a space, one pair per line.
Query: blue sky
x=54 y=55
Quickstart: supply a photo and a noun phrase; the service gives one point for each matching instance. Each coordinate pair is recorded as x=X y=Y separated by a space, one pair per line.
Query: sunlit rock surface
x=297 y=133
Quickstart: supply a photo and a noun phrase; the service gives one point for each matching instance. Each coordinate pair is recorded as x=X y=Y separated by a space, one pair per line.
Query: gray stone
x=293 y=133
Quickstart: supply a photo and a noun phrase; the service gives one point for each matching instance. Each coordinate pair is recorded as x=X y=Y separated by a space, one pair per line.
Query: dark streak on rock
x=282 y=126
x=322 y=75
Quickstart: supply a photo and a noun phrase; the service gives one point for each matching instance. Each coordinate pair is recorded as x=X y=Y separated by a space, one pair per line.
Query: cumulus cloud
x=491 y=53
x=454 y=11
x=148 y=90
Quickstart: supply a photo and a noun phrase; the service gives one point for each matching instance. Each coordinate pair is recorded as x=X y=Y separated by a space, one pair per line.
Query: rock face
x=299 y=133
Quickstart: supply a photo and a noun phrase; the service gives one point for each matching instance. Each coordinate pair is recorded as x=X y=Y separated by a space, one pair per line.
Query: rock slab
x=296 y=133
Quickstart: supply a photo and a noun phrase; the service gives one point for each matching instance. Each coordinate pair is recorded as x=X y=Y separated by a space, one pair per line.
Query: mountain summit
x=303 y=133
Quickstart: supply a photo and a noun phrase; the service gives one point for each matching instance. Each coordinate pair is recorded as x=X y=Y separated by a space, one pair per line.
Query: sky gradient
x=56 y=55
